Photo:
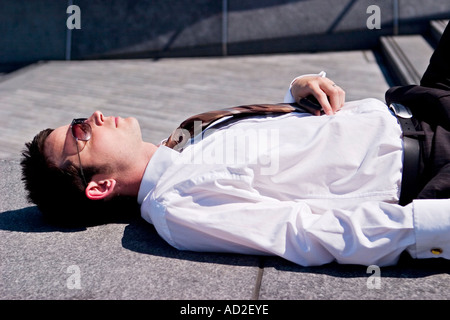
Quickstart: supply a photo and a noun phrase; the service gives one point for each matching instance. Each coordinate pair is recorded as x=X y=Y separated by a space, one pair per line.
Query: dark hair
x=59 y=193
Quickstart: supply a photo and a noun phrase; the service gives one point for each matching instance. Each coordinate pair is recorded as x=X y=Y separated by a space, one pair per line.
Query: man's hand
x=328 y=94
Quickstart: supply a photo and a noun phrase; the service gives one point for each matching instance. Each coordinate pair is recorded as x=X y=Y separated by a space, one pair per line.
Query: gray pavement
x=128 y=260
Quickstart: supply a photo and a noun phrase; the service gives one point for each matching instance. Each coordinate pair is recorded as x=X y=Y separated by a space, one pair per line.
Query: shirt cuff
x=288 y=98
x=432 y=228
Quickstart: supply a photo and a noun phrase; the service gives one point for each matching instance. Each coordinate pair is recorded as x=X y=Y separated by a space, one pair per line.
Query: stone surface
x=128 y=260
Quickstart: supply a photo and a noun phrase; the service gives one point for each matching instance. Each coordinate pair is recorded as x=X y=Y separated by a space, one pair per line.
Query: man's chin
x=133 y=121
x=135 y=125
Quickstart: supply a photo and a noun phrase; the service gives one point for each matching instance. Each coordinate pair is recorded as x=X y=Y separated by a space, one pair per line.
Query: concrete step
x=437 y=28
x=406 y=56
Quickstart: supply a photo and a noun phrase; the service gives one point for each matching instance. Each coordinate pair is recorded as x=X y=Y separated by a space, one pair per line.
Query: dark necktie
x=186 y=129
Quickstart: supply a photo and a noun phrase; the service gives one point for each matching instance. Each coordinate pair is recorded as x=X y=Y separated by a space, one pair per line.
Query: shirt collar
x=159 y=162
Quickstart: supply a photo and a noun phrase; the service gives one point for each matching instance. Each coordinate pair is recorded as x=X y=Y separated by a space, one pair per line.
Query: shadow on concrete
x=140 y=236
x=29 y=219
x=157 y=26
x=406 y=268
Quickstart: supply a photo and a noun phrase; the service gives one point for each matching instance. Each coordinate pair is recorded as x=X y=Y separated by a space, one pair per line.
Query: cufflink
x=436 y=251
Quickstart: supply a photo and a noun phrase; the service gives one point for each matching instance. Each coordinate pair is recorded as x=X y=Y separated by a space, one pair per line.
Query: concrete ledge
x=408 y=57
x=437 y=28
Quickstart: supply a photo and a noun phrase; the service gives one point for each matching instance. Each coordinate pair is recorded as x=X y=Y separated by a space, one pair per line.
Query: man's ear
x=98 y=190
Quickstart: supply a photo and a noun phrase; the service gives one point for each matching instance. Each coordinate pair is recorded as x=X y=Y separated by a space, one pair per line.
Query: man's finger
x=323 y=100
x=335 y=99
x=336 y=95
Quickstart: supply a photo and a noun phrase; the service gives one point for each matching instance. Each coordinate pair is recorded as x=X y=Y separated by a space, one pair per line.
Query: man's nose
x=96 y=118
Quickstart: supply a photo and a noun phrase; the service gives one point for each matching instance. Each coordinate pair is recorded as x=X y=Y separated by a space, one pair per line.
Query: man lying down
x=322 y=180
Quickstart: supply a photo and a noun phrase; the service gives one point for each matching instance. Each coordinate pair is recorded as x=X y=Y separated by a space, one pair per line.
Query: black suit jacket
x=431 y=107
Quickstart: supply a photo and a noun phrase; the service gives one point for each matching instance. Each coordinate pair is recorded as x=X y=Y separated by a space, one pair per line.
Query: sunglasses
x=81 y=131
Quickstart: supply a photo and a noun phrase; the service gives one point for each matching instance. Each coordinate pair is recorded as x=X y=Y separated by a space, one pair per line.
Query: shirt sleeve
x=288 y=98
x=224 y=214
x=432 y=228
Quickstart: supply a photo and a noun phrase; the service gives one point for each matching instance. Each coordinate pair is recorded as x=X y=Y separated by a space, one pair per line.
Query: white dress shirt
x=310 y=189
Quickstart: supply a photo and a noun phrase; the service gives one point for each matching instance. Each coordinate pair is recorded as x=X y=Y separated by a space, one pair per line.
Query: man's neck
x=132 y=182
